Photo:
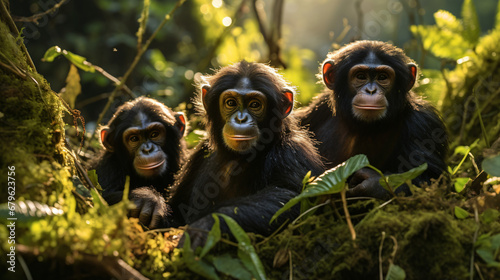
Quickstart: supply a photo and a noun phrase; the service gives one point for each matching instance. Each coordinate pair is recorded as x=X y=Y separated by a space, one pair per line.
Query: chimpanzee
x=143 y=139
x=255 y=156
x=369 y=108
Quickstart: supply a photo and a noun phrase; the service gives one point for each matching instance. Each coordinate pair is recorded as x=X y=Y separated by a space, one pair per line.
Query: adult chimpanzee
x=372 y=111
x=255 y=156
x=144 y=139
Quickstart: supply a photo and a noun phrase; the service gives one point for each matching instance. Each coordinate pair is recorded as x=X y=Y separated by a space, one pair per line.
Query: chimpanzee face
x=242 y=108
x=144 y=141
x=370 y=84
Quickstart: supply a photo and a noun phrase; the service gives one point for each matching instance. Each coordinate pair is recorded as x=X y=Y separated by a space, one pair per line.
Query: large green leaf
x=246 y=252
x=396 y=180
x=197 y=265
x=488 y=248
x=395 y=273
x=492 y=165
x=231 y=266
x=472 y=30
x=213 y=236
x=332 y=181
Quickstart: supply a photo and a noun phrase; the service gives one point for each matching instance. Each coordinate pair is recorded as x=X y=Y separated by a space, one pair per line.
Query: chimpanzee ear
x=105 y=140
x=180 y=122
x=413 y=74
x=204 y=89
x=328 y=73
x=289 y=97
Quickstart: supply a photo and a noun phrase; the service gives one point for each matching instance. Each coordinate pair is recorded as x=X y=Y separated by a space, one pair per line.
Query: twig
x=472 y=254
x=359 y=12
x=381 y=274
x=112 y=266
x=311 y=209
x=478 y=111
x=133 y=65
x=12 y=26
x=347 y=215
x=114 y=80
x=34 y=18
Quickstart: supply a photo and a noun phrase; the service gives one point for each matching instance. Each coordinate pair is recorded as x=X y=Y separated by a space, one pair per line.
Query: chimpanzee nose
x=147 y=148
x=371 y=89
x=241 y=117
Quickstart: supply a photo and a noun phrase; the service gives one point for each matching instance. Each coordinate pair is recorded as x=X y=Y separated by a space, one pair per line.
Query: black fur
x=249 y=187
x=112 y=166
x=411 y=133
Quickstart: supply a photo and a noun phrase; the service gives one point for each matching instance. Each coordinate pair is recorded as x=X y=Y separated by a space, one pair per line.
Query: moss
x=431 y=242
x=31 y=127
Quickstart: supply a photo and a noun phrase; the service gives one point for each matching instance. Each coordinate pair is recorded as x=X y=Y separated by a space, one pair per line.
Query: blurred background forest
x=293 y=35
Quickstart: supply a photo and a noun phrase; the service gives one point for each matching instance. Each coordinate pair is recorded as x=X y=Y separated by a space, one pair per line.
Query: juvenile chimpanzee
x=373 y=111
x=144 y=139
x=255 y=156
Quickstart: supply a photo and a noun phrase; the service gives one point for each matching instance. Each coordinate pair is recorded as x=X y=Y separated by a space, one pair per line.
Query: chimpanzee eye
x=382 y=77
x=133 y=138
x=154 y=134
x=361 y=76
x=255 y=105
x=231 y=103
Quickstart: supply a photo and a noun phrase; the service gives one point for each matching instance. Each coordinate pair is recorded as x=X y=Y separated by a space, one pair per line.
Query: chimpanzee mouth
x=368 y=107
x=240 y=137
x=152 y=165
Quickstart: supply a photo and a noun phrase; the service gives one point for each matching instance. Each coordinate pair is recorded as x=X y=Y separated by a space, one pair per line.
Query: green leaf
x=246 y=252
x=27 y=211
x=487 y=248
x=446 y=20
x=94 y=179
x=196 y=265
x=396 y=180
x=332 y=181
x=79 y=61
x=472 y=30
x=213 y=236
x=51 y=54
x=489 y=215
x=492 y=165
x=231 y=266
x=73 y=87
x=442 y=43
x=461 y=213
x=395 y=272
x=460 y=183
x=99 y=202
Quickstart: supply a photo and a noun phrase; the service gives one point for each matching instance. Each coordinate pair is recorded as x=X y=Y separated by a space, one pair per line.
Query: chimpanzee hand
x=198 y=232
x=365 y=182
x=151 y=208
